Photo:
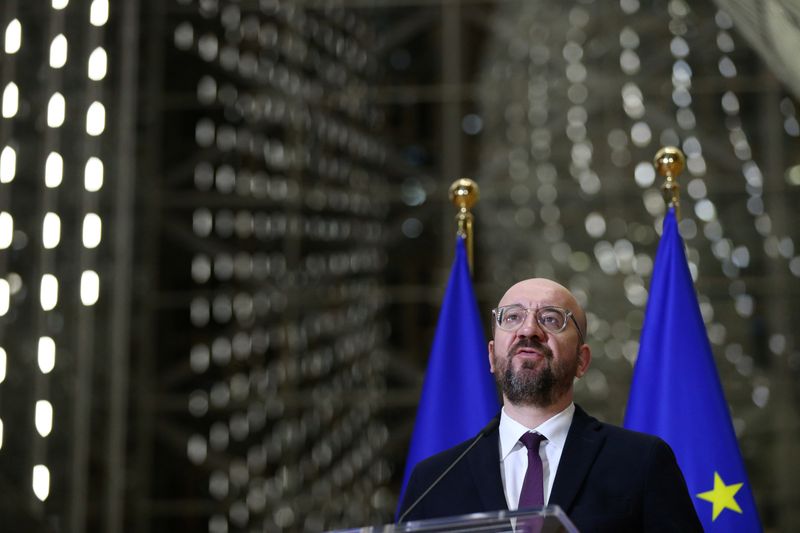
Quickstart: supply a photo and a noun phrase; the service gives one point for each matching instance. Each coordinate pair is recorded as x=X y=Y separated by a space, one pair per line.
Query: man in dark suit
x=604 y=477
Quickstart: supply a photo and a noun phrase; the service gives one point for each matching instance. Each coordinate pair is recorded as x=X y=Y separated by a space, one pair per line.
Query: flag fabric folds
x=676 y=394
x=458 y=394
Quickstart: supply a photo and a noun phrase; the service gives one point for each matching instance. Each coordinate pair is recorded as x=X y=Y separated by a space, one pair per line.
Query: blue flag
x=676 y=394
x=458 y=395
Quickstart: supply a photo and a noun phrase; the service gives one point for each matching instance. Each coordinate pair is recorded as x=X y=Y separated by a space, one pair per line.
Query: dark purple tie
x=532 y=494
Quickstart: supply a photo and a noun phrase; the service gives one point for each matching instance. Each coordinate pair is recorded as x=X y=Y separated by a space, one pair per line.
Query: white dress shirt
x=514 y=455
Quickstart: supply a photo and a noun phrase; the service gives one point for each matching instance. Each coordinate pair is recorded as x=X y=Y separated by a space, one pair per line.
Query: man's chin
x=529 y=363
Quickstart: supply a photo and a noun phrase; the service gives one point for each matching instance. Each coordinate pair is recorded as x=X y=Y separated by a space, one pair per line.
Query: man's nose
x=531 y=328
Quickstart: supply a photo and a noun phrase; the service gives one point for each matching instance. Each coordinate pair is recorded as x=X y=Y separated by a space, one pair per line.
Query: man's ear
x=584 y=358
x=491 y=359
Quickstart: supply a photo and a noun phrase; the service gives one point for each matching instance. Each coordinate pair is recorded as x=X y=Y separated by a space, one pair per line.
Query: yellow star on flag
x=722 y=496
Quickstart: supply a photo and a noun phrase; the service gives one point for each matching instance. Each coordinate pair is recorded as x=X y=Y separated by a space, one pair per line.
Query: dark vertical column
x=451 y=88
x=120 y=329
x=147 y=279
x=782 y=435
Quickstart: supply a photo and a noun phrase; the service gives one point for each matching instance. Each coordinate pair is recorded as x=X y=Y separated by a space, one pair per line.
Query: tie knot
x=532 y=440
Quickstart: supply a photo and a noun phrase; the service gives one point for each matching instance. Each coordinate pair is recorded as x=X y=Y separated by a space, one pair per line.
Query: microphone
x=493 y=423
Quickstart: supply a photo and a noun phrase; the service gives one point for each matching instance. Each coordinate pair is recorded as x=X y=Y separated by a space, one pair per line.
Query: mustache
x=530 y=343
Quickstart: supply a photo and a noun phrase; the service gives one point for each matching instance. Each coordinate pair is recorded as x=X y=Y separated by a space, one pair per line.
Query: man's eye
x=513 y=316
x=551 y=319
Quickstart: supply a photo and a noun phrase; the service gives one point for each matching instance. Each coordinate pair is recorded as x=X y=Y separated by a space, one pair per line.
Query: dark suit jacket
x=608 y=479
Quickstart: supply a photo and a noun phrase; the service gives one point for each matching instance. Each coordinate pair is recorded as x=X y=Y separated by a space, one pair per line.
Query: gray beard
x=529 y=386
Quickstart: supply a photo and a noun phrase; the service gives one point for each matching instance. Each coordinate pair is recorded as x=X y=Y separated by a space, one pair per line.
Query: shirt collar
x=555 y=429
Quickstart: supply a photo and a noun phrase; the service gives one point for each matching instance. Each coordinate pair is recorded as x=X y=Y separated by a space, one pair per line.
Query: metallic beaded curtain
x=590 y=91
x=565 y=105
x=274 y=217
x=59 y=123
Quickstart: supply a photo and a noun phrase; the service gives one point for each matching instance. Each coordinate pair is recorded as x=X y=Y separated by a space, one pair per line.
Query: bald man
x=604 y=477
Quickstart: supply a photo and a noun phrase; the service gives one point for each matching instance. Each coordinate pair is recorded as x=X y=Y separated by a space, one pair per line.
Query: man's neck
x=532 y=416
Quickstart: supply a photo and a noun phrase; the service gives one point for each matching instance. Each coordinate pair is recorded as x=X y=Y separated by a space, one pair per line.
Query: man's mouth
x=531 y=350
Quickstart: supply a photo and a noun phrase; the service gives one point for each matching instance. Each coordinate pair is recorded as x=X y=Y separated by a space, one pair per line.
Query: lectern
x=550 y=519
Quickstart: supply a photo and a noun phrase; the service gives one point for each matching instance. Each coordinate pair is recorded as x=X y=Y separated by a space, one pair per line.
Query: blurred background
x=225 y=234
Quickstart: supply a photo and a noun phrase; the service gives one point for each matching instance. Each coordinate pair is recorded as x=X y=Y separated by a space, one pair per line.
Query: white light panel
x=98 y=64
x=13 y=40
x=46 y=354
x=41 y=482
x=6 y=230
x=56 y=110
x=58 y=51
x=51 y=231
x=48 y=295
x=93 y=174
x=95 y=119
x=3 y=363
x=44 y=417
x=92 y=230
x=8 y=165
x=98 y=14
x=59 y=4
x=10 y=100
x=53 y=170
x=90 y=287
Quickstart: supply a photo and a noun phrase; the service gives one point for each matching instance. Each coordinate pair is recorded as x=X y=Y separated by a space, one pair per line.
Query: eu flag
x=458 y=395
x=677 y=395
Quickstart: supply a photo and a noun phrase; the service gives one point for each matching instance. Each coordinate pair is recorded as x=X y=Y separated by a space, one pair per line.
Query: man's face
x=531 y=365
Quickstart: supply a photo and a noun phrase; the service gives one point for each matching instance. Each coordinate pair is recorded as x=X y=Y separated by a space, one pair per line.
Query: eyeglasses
x=551 y=318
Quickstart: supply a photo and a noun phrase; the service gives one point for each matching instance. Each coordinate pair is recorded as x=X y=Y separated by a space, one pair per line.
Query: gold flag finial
x=464 y=193
x=669 y=162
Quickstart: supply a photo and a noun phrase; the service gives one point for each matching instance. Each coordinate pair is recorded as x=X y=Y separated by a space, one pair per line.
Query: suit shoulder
x=632 y=436
x=586 y=424
x=635 y=441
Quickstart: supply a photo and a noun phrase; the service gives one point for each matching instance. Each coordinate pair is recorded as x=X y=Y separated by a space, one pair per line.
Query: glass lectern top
x=550 y=519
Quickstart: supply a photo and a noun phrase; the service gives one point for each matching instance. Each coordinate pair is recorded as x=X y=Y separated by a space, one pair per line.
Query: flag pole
x=464 y=193
x=669 y=162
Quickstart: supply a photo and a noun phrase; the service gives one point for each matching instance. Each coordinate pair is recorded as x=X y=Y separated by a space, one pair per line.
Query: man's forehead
x=536 y=292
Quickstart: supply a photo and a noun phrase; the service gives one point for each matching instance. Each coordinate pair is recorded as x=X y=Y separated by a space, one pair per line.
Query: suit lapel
x=484 y=465
x=584 y=440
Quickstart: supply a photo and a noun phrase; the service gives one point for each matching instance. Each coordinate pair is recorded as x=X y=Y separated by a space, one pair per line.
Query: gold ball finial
x=464 y=193
x=669 y=161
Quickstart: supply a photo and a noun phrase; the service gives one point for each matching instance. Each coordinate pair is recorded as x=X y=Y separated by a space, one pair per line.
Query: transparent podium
x=550 y=519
